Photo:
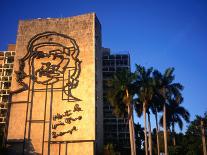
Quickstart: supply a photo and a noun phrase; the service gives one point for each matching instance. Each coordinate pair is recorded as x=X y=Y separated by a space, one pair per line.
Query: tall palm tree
x=145 y=92
x=166 y=89
x=175 y=114
x=202 y=121
x=156 y=107
x=120 y=94
x=149 y=132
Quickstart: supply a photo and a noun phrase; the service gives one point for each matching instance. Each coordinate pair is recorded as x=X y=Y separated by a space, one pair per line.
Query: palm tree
x=203 y=135
x=166 y=89
x=175 y=114
x=120 y=94
x=156 y=107
x=196 y=133
x=150 y=132
x=145 y=92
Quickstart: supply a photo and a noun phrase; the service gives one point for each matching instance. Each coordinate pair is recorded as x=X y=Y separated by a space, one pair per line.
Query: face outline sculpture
x=52 y=56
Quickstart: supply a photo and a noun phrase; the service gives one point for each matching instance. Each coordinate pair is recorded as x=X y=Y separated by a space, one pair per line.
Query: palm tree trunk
x=131 y=127
x=173 y=132
x=203 y=138
x=150 y=134
x=165 y=129
x=145 y=129
x=157 y=131
x=131 y=132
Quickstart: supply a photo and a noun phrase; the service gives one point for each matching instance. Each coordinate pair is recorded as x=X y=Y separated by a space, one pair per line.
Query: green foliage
x=144 y=84
x=161 y=140
x=116 y=94
x=166 y=89
x=190 y=143
x=177 y=150
x=175 y=113
x=145 y=90
x=194 y=127
x=155 y=90
x=186 y=145
x=110 y=149
x=139 y=135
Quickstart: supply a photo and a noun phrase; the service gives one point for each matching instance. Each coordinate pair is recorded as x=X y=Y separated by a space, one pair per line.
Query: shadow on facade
x=15 y=147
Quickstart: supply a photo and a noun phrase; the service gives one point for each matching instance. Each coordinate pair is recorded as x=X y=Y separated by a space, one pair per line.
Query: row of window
x=124 y=128
x=110 y=74
x=119 y=56
x=5 y=78
x=6 y=66
x=123 y=121
x=2 y=118
x=4 y=98
x=9 y=60
x=115 y=140
x=6 y=72
x=113 y=62
x=5 y=85
x=113 y=69
x=7 y=54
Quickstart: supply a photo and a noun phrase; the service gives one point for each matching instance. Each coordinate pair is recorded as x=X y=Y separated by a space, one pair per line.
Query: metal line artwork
x=55 y=135
x=60 y=116
x=52 y=72
x=53 y=66
x=54 y=126
x=68 y=118
x=77 y=108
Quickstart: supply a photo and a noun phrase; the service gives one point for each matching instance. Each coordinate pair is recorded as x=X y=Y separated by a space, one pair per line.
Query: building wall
x=11 y=47
x=56 y=91
x=6 y=69
x=99 y=88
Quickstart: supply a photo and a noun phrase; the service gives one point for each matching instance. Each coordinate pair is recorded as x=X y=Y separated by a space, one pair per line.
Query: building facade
x=6 y=69
x=56 y=89
x=116 y=130
x=54 y=79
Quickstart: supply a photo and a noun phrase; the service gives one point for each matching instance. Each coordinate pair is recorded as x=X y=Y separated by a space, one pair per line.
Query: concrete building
x=56 y=89
x=6 y=69
x=116 y=130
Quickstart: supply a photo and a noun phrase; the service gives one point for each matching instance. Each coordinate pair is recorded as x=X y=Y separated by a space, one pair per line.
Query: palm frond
x=180 y=122
x=183 y=113
x=168 y=72
x=138 y=107
x=116 y=91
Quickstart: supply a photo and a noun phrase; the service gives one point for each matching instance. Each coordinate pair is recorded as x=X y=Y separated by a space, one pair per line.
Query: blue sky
x=168 y=33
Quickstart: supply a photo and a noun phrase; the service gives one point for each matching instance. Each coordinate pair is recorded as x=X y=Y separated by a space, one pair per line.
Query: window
x=105 y=62
x=124 y=56
x=111 y=57
x=111 y=69
x=10 y=59
x=105 y=68
x=7 y=85
x=118 y=56
x=105 y=57
x=125 y=62
x=5 y=98
x=112 y=62
x=8 y=72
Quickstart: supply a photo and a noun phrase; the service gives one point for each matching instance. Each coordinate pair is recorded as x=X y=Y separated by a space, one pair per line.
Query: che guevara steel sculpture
x=53 y=63
x=51 y=72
